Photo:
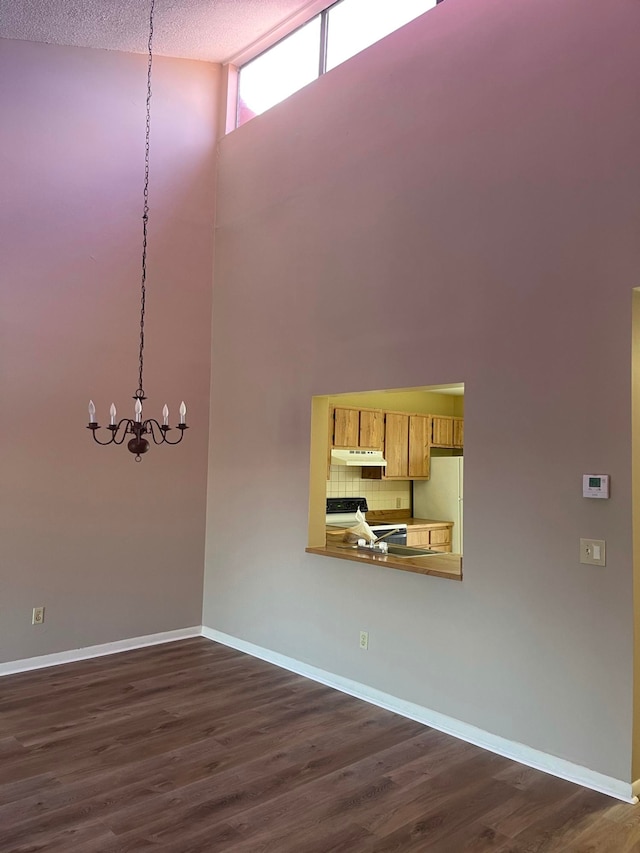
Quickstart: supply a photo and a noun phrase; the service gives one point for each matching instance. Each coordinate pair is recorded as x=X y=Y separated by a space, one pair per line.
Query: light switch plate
x=593 y=552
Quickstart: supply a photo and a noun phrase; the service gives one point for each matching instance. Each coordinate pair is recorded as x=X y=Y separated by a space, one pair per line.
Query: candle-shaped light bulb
x=183 y=412
x=138 y=408
x=112 y=414
x=165 y=415
x=92 y=412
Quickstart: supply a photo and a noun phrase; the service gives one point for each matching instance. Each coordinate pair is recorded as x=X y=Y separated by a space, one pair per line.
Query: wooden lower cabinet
x=436 y=537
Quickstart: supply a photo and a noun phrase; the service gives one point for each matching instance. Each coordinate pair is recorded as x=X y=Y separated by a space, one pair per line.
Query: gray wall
x=459 y=203
x=113 y=549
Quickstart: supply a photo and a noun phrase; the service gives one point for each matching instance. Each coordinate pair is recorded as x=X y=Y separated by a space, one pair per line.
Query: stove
x=341 y=512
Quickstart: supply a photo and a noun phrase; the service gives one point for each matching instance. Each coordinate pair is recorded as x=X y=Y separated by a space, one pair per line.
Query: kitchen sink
x=408 y=551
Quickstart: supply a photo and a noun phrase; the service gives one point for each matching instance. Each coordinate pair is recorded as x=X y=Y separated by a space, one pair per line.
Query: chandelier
x=136 y=426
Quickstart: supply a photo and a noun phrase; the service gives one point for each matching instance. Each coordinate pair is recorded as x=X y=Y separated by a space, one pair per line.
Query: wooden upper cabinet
x=406 y=448
x=396 y=445
x=447 y=432
x=358 y=428
x=346 y=427
x=458 y=432
x=441 y=431
x=371 y=429
x=419 y=455
x=406 y=439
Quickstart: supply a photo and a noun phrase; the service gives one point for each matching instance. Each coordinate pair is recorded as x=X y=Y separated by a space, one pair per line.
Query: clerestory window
x=325 y=41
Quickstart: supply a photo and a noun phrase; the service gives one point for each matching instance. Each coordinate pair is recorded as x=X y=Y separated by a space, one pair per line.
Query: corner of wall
x=635 y=503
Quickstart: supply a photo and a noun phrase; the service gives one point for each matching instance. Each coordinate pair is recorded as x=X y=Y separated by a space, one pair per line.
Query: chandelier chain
x=145 y=210
x=147 y=430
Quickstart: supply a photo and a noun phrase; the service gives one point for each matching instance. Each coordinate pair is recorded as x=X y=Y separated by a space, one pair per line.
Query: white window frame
x=233 y=66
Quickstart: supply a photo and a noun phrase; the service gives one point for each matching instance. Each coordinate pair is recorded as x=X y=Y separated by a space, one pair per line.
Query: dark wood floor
x=192 y=747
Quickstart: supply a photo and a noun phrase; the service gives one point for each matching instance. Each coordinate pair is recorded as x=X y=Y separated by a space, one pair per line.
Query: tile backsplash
x=345 y=482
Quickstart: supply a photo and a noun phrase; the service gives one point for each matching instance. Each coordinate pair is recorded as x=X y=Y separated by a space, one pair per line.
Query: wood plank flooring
x=192 y=747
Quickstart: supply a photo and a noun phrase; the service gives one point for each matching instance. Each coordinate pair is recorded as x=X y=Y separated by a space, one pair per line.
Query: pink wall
x=113 y=549
x=461 y=202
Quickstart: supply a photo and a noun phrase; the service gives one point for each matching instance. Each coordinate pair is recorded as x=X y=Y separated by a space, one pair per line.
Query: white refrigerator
x=441 y=496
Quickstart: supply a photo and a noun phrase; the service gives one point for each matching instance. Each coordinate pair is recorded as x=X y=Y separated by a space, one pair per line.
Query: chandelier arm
x=128 y=423
x=97 y=440
x=181 y=427
x=150 y=426
x=114 y=430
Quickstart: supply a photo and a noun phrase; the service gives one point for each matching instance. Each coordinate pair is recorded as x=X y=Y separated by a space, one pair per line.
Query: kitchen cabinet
x=406 y=439
x=441 y=431
x=458 y=432
x=447 y=431
x=406 y=448
x=357 y=428
x=346 y=427
x=371 y=429
x=396 y=446
x=419 y=453
x=434 y=535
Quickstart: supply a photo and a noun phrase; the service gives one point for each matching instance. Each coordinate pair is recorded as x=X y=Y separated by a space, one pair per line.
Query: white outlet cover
x=593 y=552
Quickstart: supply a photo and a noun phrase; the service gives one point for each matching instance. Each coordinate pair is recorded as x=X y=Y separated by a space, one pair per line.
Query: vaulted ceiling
x=212 y=30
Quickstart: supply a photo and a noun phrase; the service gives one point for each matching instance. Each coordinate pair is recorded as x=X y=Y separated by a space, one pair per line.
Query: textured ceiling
x=213 y=30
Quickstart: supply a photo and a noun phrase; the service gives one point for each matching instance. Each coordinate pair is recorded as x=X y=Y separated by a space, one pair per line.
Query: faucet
x=376 y=547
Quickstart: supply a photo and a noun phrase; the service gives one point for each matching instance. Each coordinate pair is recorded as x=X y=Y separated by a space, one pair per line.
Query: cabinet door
x=418 y=538
x=346 y=427
x=396 y=445
x=442 y=431
x=458 y=432
x=371 y=430
x=440 y=536
x=419 y=455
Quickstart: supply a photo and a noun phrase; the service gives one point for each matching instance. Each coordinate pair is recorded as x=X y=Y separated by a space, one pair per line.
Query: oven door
x=398 y=537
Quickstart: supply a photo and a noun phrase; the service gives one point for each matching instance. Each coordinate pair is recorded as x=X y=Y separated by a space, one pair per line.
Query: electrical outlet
x=364 y=639
x=37 y=616
x=593 y=552
x=398 y=503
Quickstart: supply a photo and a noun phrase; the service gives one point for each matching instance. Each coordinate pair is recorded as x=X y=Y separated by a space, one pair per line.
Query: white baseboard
x=493 y=743
x=625 y=791
x=27 y=664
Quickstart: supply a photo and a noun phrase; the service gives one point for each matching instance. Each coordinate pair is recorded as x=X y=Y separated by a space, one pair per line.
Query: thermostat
x=595 y=485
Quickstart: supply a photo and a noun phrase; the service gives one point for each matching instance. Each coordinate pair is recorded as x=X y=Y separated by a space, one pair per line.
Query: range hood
x=361 y=458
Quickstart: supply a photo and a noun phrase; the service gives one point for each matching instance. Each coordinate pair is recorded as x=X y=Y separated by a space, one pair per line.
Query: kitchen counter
x=440 y=565
x=336 y=529
x=431 y=533
x=391 y=516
